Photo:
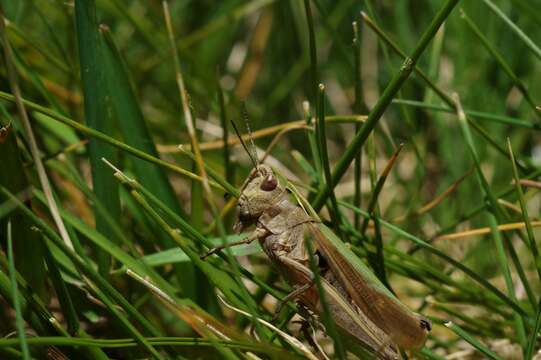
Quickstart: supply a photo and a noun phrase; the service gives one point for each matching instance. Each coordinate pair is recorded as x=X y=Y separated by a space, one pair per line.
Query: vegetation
x=425 y=158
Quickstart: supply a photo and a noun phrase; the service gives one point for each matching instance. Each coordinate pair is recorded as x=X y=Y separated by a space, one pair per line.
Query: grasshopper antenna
x=247 y=123
x=250 y=155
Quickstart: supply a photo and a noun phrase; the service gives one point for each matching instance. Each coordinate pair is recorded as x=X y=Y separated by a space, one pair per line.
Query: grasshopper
x=360 y=305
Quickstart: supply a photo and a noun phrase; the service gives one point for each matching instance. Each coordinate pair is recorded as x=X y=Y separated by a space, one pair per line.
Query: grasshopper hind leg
x=291 y=296
x=310 y=323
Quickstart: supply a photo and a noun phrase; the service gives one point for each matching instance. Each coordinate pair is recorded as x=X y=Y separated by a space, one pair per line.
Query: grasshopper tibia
x=292 y=295
x=256 y=235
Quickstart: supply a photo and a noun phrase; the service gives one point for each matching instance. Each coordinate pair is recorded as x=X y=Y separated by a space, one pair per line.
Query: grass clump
x=416 y=144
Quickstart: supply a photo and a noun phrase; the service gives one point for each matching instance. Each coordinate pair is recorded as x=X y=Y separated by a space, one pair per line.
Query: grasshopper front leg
x=257 y=234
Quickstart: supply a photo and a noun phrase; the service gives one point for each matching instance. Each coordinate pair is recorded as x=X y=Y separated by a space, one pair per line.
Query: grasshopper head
x=259 y=192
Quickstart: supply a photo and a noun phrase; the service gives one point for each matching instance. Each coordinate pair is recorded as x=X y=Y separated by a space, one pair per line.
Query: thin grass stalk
x=229 y=174
x=40 y=341
x=527 y=40
x=437 y=200
x=504 y=267
x=357 y=195
x=524 y=209
x=495 y=208
x=314 y=86
x=435 y=56
x=474 y=342
x=507 y=120
x=324 y=160
x=390 y=91
x=378 y=186
x=314 y=77
x=312 y=139
x=480 y=326
x=19 y=320
x=188 y=118
x=64 y=298
x=521 y=272
x=440 y=92
x=378 y=261
x=501 y=61
x=403 y=110
x=534 y=335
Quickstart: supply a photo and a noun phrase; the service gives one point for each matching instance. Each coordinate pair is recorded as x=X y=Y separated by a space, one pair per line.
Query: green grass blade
x=497 y=213
x=504 y=267
x=472 y=113
x=534 y=334
x=64 y=297
x=322 y=150
x=390 y=91
x=16 y=301
x=29 y=263
x=524 y=209
x=439 y=91
x=501 y=61
x=219 y=182
x=156 y=341
x=133 y=125
x=474 y=342
x=98 y=115
x=514 y=28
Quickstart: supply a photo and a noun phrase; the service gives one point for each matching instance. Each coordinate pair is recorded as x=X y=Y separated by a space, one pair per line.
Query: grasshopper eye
x=426 y=324
x=269 y=183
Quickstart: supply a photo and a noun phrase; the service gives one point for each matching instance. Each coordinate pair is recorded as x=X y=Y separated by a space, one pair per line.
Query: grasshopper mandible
x=359 y=303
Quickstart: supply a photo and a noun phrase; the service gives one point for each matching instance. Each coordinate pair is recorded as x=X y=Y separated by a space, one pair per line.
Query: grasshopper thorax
x=259 y=192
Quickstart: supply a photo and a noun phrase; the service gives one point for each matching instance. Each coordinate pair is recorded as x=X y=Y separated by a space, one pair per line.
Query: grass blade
x=390 y=91
x=476 y=344
x=15 y=294
x=524 y=209
x=98 y=115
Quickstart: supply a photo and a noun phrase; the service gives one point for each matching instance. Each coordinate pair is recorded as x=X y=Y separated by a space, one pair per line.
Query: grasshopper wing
x=406 y=328
x=349 y=320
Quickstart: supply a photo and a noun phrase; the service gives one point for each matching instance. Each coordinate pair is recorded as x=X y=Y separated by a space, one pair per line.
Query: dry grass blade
x=486 y=230
x=258 y=134
x=280 y=135
x=530 y=183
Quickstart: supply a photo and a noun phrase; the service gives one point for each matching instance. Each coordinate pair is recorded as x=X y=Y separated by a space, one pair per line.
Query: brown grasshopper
x=358 y=302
